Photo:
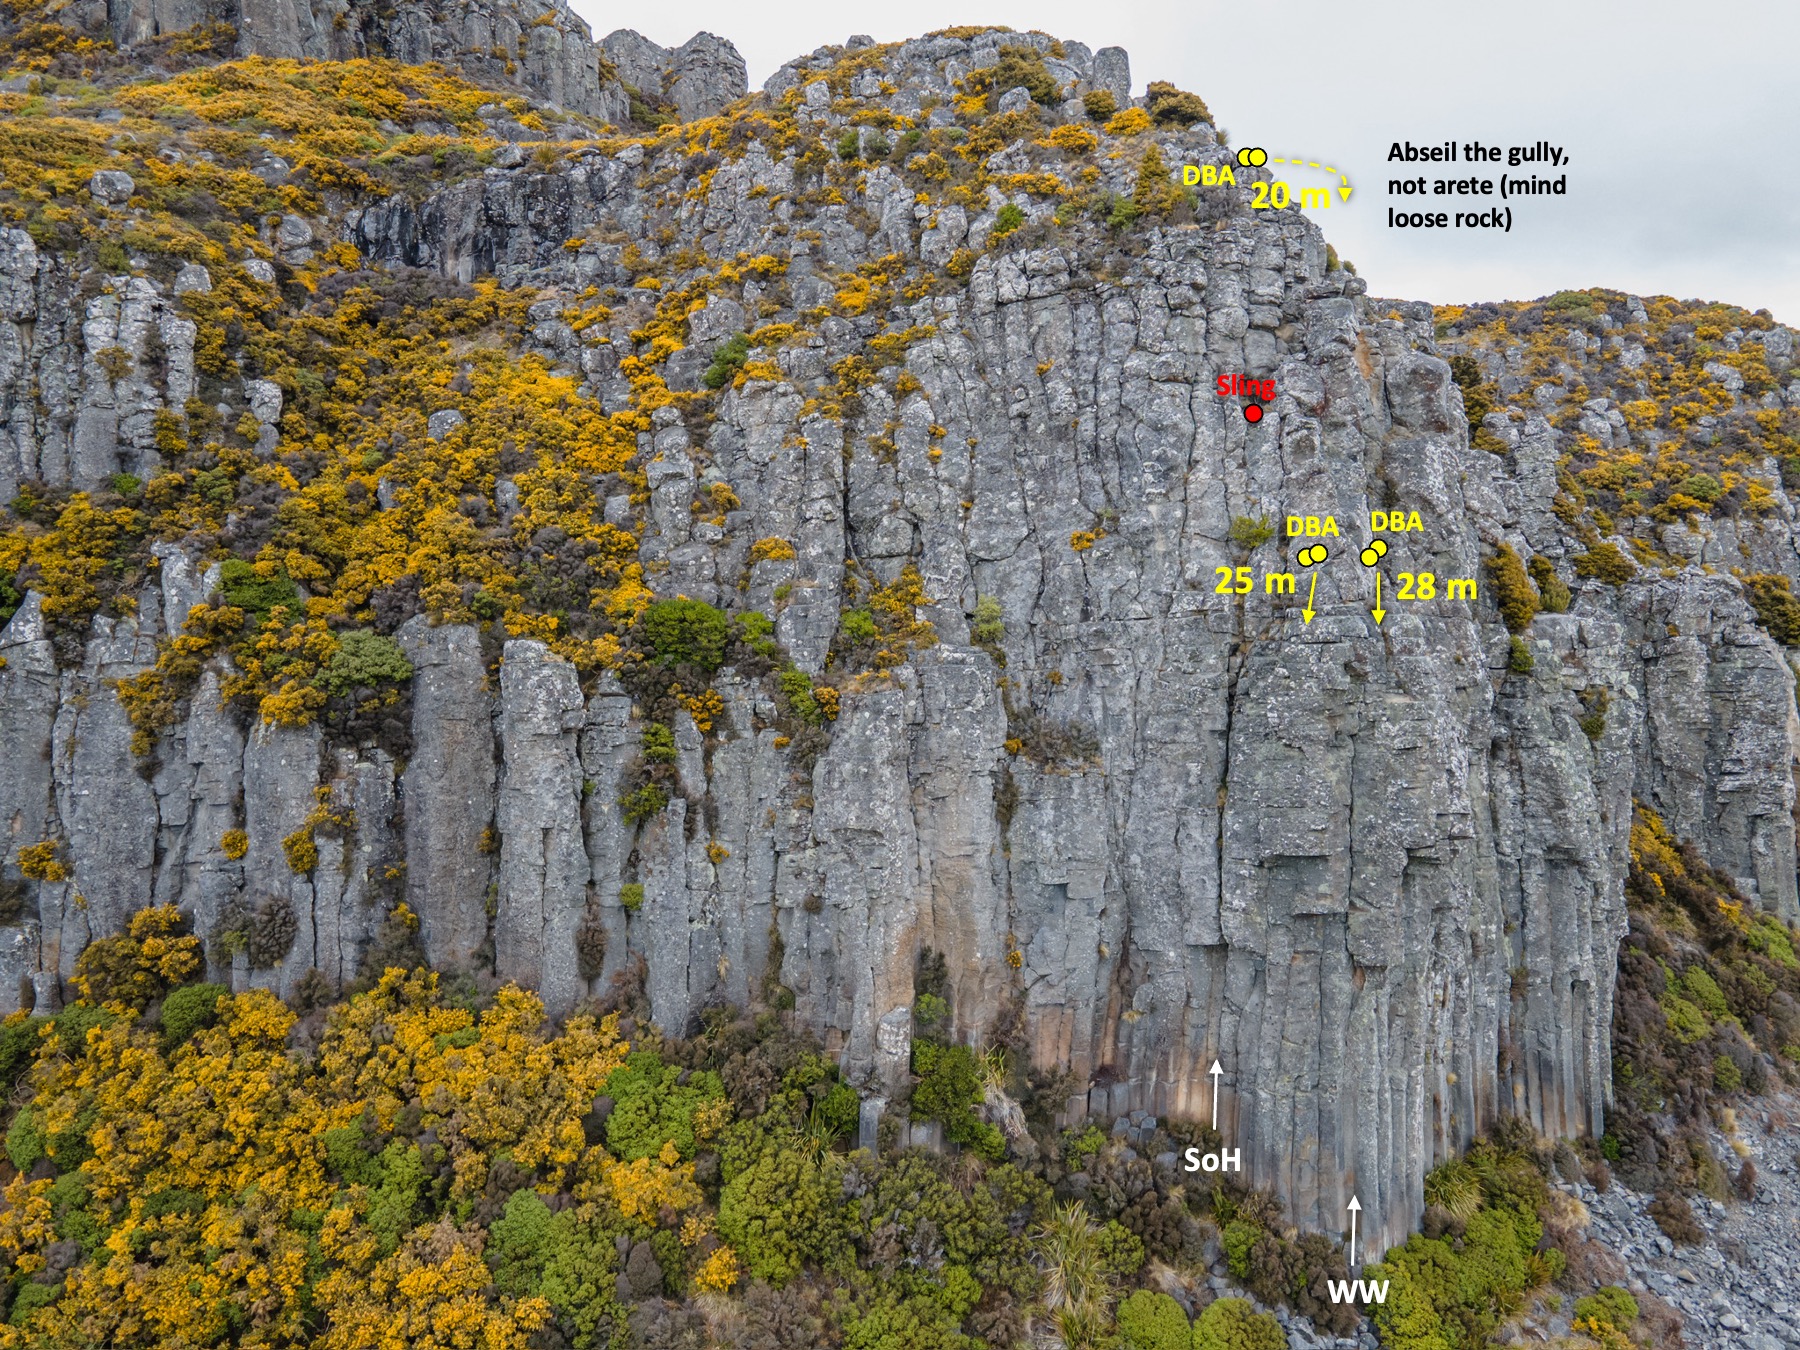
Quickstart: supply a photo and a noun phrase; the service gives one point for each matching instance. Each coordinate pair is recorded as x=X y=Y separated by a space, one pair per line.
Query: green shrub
x=1478 y=398
x=1569 y=302
x=1519 y=659
x=1024 y=68
x=731 y=354
x=188 y=1009
x=1238 y=1238
x=1701 y=485
x=1121 y=212
x=1232 y=1324
x=858 y=625
x=1611 y=1306
x=651 y=1107
x=686 y=632
x=1172 y=107
x=1006 y=220
x=24 y=1140
x=1553 y=595
x=1605 y=563
x=258 y=596
x=928 y=1011
x=1767 y=935
x=1250 y=531
x=631 y=897
x=33 y=1295
x=641 y=804
x=1771 y=596
x=1593 y=719
x=365 y=659
x=797 y=688
x=1727 y=1077
x=74 y=1022
x=1153 y=1321
x=1100 y=104
x=988 y=628
x=781 y=1211
x=849 y=146
x=1446 y=1292
x=1685 y=1021
x=659 y=743
x=18 y=1048
x=1513 y=591
x=1704 y=990
x=948 y=1090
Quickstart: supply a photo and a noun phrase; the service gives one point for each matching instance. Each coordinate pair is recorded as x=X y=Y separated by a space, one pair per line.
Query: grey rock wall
x=540 y=46
x=1375 y=873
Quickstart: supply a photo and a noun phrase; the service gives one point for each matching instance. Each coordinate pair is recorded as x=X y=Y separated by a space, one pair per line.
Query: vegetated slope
x=773 y=546
x=430 y=1167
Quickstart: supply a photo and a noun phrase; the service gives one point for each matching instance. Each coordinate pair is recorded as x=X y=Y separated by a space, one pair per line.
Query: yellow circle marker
x=1243 y=157
x=1259 y=157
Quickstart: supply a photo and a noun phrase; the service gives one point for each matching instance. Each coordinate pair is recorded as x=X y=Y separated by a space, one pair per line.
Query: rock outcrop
x=539 y=46
x=1372 y=867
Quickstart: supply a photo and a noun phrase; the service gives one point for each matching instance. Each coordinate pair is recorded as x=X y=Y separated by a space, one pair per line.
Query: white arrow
x=1354 y=1207
x=1215 y=1071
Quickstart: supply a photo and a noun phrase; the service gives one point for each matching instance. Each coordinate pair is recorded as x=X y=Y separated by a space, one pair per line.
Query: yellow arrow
x=1344 y=188
x=1378 y=611
x=1306 y=614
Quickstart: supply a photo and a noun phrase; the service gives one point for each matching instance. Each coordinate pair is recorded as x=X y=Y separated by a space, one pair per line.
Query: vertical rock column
x=27 y=712
x=543 y=859
x=108 y=810
x=448 y=790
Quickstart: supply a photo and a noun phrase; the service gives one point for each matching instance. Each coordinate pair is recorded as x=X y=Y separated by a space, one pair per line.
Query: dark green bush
x=25 y=1140
x=735 y=350
x=1100 y=104
x=948 y=1091
x=652 y=1106
x=1519 y=659
x=258 y=596
x=18 y=1047
x=686 y=632
x=1006 y=220
x=188 y=1009
x=365 y=659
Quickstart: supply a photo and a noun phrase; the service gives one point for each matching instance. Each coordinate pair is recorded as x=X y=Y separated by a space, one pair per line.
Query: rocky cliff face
x=540 y=46
x=1375 y=869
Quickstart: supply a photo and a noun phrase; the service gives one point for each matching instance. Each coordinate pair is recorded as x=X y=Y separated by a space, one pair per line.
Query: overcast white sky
x=1681 y=120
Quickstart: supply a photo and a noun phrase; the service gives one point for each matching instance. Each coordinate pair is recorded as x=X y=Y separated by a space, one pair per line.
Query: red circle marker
x=1253 y=412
